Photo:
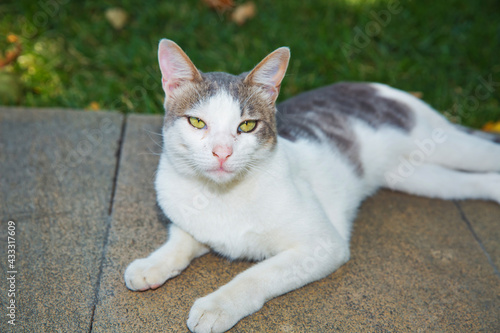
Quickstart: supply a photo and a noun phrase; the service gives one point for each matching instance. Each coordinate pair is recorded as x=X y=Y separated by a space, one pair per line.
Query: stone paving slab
x=136 y=231
x=415 y=266
x=57 y=169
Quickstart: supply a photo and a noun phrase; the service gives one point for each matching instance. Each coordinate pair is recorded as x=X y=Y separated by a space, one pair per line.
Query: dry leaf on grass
x=492 y=127
x=11 y=55
x=243 y=13
x=417 y=94
x=117 y=17
x=11 y=38
x=93 y=106
x=219 y=4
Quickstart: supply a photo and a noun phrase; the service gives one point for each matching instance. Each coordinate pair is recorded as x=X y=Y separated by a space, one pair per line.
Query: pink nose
x=222 y=153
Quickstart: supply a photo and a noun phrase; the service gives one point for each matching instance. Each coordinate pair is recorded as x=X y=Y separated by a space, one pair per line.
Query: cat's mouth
x=221 y=174
x=221 y=171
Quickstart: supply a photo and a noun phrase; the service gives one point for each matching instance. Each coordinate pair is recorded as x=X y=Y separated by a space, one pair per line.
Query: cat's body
x=230 y=183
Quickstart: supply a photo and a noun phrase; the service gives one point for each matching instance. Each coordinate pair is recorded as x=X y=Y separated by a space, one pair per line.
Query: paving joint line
x=476 y=237
x=118 y=155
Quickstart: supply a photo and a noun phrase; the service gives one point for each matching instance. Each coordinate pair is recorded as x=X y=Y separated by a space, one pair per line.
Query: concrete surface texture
x=79 y=188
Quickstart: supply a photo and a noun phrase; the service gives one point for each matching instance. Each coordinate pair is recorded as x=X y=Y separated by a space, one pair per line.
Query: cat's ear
x=270 y=72
x=176 y=67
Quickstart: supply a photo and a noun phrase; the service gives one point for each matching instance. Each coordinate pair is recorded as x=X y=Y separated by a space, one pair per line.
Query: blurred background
x=99 y=55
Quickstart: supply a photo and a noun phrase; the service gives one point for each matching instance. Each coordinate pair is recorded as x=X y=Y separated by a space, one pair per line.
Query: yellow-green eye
x=247 y=126
x=197 y=122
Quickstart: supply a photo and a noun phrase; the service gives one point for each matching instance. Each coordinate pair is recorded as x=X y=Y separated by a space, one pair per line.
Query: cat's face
x=219 y=126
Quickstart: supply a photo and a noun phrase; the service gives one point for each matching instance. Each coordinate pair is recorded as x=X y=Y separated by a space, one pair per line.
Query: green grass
x=74 y=57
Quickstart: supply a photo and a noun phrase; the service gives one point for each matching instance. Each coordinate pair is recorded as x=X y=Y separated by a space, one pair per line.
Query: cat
x=282 y=183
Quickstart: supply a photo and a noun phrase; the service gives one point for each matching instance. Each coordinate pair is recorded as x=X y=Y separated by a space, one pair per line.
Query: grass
x=73 y=58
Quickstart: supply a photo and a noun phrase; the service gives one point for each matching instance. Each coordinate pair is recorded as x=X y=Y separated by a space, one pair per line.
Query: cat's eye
x=197 y=122
x=247 y=126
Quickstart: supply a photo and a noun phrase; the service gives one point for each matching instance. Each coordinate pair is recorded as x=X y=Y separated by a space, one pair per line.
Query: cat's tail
x=466 y=149
x=460 y=164
x=445 y=160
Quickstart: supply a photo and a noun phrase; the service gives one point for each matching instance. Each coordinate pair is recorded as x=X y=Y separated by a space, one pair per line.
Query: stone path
x=79 y=188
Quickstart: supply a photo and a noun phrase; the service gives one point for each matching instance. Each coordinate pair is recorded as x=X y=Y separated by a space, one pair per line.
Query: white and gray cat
x=281 y=183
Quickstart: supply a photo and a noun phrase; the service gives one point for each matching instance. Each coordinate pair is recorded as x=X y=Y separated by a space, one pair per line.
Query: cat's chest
x=234 y=224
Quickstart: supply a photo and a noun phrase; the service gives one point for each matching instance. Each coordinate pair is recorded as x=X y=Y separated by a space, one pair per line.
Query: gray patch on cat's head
x=191 y=94
x=252 y=99
x=256 y=105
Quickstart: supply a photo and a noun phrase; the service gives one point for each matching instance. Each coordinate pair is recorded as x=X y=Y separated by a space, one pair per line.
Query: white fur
x=291 y=207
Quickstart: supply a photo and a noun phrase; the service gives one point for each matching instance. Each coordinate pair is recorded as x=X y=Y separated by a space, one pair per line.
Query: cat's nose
x=222 y=153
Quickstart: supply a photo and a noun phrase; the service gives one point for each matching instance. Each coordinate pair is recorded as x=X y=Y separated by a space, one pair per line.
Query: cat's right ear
x=176 y=67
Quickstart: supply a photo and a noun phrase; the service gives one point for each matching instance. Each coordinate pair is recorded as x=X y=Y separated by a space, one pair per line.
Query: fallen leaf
x=492 y=127
x=93 y=106
x=219 y=4
x=10 y=56
x=11 y=38
x=244 y=12
x=417 y=94
x=117 y=17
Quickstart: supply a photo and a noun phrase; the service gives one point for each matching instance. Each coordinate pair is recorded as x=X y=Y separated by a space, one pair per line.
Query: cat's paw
x=212 y=314
x=146 y=273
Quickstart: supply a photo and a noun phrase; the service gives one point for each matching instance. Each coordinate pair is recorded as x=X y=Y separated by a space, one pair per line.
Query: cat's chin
x=221 y=176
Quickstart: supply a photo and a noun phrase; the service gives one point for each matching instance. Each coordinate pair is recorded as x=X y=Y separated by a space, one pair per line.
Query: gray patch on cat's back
x=358 y=100
x=335 y=127
x=326 y=112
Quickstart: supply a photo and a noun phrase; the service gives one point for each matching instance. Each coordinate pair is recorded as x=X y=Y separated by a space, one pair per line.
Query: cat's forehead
x=253 y=102
x=223 y=80
x=221 y=110
x=221 y=89
x=218 y=97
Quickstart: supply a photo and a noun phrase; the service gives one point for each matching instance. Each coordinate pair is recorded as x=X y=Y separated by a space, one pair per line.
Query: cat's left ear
x=270 y=72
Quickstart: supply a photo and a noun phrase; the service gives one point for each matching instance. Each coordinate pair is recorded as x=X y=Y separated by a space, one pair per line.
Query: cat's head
x=217 y=125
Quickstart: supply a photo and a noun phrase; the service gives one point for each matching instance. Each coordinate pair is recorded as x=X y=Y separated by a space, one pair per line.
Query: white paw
x=146 y=273
x=211 y=314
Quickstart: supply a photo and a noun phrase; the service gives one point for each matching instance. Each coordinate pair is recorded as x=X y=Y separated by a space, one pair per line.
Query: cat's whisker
x=152 y=132
x=151 y=138
x=150 y=153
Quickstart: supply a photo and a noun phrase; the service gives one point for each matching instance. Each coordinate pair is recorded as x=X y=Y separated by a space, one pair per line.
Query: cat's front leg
x=166 y=262
x=247 y=293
